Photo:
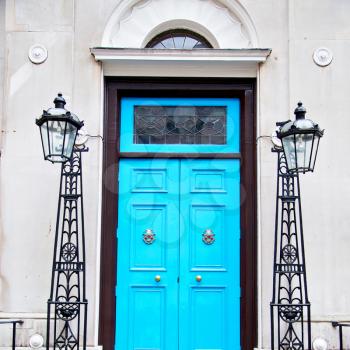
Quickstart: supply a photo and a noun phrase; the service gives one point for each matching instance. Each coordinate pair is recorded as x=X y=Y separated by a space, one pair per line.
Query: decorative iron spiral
x=290 y=313
x=67 y=311
x=289 y=254
x=69 y=252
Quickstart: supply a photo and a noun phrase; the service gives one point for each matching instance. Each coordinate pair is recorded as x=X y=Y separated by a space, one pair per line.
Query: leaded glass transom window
x=203 y=125
x=179 y=39
x=179 y=124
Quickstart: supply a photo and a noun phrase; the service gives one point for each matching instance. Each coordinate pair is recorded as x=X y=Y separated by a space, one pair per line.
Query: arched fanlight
x=58 y=130
x=183 y=39
x=300 y=140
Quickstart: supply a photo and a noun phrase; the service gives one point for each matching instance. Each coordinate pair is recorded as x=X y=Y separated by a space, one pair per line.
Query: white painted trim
x=99 y=218
x=259 y=224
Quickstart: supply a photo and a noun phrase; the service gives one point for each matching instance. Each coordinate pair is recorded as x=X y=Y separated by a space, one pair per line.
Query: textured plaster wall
x=294 y=29
x=326 y=93
x=28 y=185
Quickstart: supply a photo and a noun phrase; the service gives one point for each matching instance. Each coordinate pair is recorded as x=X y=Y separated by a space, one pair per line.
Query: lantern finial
x=300 y=111
x=59 y=101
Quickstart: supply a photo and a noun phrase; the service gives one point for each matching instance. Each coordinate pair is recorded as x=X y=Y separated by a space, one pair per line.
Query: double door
x=178 y=265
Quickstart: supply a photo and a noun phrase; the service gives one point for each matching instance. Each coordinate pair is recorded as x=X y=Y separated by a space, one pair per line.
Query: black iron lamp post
x=58 y=130
x=300 y=139
x=67 y=304
x=290 y=306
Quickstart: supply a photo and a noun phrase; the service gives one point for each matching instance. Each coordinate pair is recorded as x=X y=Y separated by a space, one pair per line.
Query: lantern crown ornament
x=300 y=139
x=58 y=131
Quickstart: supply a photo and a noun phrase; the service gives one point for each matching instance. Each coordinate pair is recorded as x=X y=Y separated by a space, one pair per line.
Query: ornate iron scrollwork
x=290 y=306
x=67 y=305
x=149 y=236
x=208 y=236
x=69 y=252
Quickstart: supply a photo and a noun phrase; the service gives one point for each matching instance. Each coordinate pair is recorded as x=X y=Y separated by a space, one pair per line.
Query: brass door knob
x=198 y=278
x=157 y=278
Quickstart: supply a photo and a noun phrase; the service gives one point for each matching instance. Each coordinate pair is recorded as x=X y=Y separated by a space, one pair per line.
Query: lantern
x=58 y=131
x=300 y=140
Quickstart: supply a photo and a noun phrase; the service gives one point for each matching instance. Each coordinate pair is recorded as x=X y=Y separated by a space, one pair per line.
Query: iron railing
x=14 y=327
x=340 y=325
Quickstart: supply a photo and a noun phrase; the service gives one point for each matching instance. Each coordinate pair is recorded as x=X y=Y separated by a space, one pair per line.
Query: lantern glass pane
x=45 y=139
x=289 y=152
x=71 y=132
x=303 y=150
x=56 y=136
x=314 y=152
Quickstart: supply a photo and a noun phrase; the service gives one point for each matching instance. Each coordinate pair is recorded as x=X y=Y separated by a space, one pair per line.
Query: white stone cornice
x=248 y=55
x=182 y=63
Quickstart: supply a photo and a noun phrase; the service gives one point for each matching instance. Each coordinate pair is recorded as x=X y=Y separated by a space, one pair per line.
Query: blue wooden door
x=178 y=283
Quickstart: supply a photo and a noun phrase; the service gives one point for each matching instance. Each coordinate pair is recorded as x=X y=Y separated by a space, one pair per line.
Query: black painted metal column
x=67 y=305
x=290 y=306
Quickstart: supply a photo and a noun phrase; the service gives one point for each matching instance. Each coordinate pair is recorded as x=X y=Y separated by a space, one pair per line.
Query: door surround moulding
x=245 y=90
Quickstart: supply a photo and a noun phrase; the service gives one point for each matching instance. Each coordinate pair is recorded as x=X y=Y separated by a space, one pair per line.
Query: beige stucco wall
x=292 y=29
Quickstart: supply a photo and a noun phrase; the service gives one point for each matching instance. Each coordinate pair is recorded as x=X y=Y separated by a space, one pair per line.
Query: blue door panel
x=147 y=310
x=145 y=257
x=148 y=317
x=207 y=318
x=203 y=257
x=179 y=200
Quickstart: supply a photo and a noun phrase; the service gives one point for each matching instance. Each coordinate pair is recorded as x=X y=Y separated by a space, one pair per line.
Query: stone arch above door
x=225 y=24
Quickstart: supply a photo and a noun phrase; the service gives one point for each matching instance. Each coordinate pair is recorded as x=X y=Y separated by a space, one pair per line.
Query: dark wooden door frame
x=244 y=89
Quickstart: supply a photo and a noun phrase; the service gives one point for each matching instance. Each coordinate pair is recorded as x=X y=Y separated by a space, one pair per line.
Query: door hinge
x=178 y=279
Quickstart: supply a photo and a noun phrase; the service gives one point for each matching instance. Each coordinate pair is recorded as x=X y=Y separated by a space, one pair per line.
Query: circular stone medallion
x=322 y=56
x=36 y=341
x=37 y=54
